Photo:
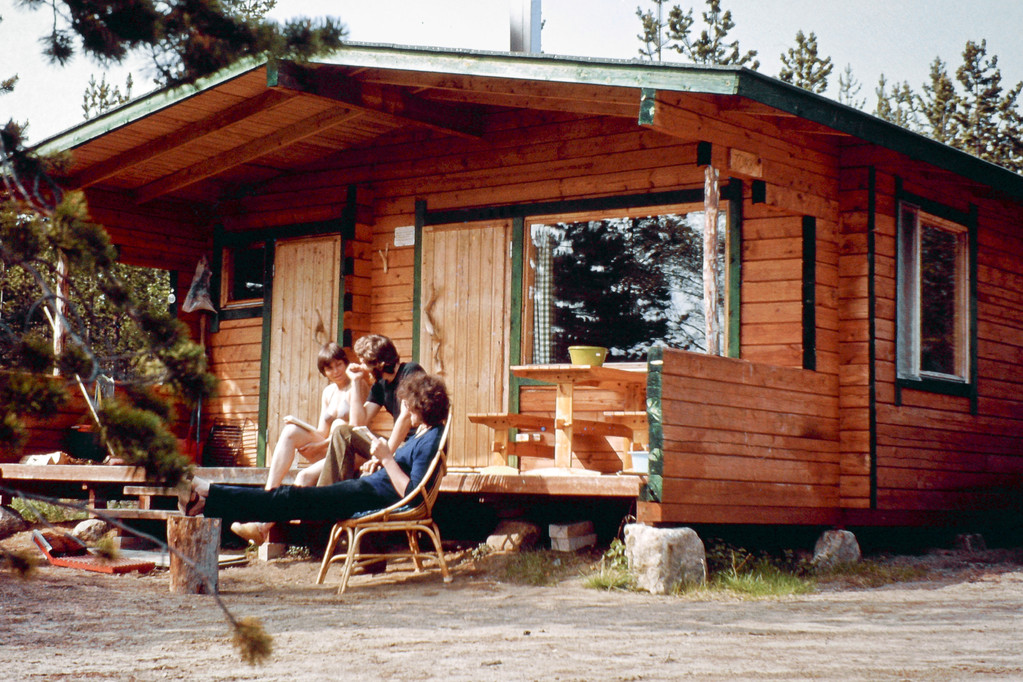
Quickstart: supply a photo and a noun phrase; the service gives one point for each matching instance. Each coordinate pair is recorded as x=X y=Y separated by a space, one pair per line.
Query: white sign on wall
x=405 y=236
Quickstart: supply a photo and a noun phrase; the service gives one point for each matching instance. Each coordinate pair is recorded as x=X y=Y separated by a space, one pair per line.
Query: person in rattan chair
x=424 y=396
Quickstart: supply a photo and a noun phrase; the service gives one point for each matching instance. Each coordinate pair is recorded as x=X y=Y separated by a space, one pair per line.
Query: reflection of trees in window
x=937 y=300
x=112 y=335
x=623 y=283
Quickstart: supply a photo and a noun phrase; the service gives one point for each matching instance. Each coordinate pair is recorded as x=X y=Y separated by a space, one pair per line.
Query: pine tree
x=898 y=106
x=938 y=104
x=711 y=47
x=102 y=96
x=46 y=235
x=803 y=66
x=989 y=123
x=849 y=89
x=675 y=33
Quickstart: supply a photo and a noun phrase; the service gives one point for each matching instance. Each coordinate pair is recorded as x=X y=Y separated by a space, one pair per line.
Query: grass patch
x=761 y=581
x=872 y=573
x=613 y=571
x=32 y=510
x=541 y=567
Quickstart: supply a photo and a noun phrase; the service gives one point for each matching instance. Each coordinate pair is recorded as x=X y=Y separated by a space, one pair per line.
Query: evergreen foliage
x=186 y=39
x=711 y=46
x=802 y=65
x=972 y=112
x=59 y=267
x=102 y=96
x=849 y=88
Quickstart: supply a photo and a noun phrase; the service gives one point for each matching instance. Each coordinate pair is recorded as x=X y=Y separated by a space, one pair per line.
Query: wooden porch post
x=711 y=196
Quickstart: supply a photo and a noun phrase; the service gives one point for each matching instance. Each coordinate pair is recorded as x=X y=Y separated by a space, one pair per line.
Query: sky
x=899 y=38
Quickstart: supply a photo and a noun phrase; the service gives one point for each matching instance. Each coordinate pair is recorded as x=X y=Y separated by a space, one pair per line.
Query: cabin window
x=623 y=282
x=242 y=280
x=933 y=297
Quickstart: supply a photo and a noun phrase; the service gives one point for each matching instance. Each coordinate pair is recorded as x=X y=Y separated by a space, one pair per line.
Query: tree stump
x=198 y=539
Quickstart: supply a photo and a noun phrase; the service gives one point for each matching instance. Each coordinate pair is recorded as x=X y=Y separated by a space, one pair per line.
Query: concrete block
x=573 y=543
x=570 y=530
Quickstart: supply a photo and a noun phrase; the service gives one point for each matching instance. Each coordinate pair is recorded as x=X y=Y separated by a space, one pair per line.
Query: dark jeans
x=333 y=502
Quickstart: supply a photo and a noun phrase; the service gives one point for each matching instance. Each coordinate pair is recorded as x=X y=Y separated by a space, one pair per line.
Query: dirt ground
x=965 y=621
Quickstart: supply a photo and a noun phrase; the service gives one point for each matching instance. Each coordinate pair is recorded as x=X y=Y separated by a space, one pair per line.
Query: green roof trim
x=140 y=108
x=642 y=75
x=869 y=128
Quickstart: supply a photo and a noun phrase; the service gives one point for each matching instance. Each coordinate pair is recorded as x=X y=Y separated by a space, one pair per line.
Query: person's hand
x=358 y=372
x=380 y=450
x=370 y=465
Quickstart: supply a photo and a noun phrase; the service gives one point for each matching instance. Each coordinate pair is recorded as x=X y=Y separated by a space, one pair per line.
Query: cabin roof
x=255 y=121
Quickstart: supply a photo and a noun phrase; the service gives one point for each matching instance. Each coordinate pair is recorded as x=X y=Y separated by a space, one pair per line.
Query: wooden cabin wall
x=528 y=157
x=935 y=461
x=746 y=443
x=47 y=435
x=855 y=386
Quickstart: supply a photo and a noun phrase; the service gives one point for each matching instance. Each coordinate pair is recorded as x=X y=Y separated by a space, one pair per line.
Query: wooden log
x=198 y=539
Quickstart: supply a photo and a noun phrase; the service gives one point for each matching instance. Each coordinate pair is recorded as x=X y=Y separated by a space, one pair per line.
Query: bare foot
x=256 y=533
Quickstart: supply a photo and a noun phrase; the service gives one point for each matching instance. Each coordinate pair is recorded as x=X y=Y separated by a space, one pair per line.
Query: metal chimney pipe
x=525 y=26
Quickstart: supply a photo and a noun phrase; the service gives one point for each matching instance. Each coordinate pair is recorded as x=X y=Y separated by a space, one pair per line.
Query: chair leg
x=413 y=545
x=335 y=533
x=434 y=532
x=354 y=538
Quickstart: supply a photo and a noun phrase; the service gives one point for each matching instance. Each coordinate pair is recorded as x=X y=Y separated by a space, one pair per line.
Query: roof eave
x=140 y=108
x=869 y=128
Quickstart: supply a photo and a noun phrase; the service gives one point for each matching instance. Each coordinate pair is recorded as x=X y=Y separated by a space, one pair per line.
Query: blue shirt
x=414 y=457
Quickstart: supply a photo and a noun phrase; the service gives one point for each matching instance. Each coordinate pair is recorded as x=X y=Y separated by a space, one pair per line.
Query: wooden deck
x=101 y=483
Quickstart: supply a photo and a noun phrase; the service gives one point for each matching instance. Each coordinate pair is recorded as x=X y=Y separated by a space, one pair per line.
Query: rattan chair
x=412 y=514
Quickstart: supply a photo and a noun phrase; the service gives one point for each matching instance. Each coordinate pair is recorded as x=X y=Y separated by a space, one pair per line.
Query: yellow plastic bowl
x=587 y=355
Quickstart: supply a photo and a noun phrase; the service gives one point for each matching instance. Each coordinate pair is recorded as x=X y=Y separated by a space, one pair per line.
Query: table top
x=579 y=375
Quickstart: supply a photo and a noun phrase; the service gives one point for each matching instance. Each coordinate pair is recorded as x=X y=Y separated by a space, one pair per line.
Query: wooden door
x=304 y=312
x=465 y=326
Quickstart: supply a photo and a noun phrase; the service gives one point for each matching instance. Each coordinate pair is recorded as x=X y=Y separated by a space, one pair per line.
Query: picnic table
x=626 y=418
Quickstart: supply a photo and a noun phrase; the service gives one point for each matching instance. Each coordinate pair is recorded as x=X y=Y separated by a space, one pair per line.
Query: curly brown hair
x=378 y=352
x=426 y=395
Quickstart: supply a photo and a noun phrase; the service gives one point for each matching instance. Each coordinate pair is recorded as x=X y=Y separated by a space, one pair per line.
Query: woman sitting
x=390 y=475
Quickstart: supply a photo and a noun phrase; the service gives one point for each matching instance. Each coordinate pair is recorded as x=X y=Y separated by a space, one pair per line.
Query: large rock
x=91 y=530
x=834 y=548
x=662 y=558
x=513 y=535
x=11 y=522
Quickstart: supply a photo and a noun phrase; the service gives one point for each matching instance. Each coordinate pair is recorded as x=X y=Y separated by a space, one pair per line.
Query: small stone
x=662 y=558
x=835 y=547
x=91 y=530
x=11 y=522
x=970 y=542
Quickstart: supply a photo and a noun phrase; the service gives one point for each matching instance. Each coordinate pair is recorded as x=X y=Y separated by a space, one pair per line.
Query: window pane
x=623 y=283
x=247 y=274
x=938 y=249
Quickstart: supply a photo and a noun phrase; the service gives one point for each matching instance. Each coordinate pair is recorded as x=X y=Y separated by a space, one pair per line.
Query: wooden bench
x=502 y=446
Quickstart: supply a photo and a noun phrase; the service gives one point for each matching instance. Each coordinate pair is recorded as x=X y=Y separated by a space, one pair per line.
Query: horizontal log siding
x=235 y=351
x=746 y=443
x=855 y=389
x=47 y=434
x=529 y=157
x=935 y=460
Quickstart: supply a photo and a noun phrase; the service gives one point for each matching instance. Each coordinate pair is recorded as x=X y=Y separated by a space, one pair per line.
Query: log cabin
x=863 y=360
